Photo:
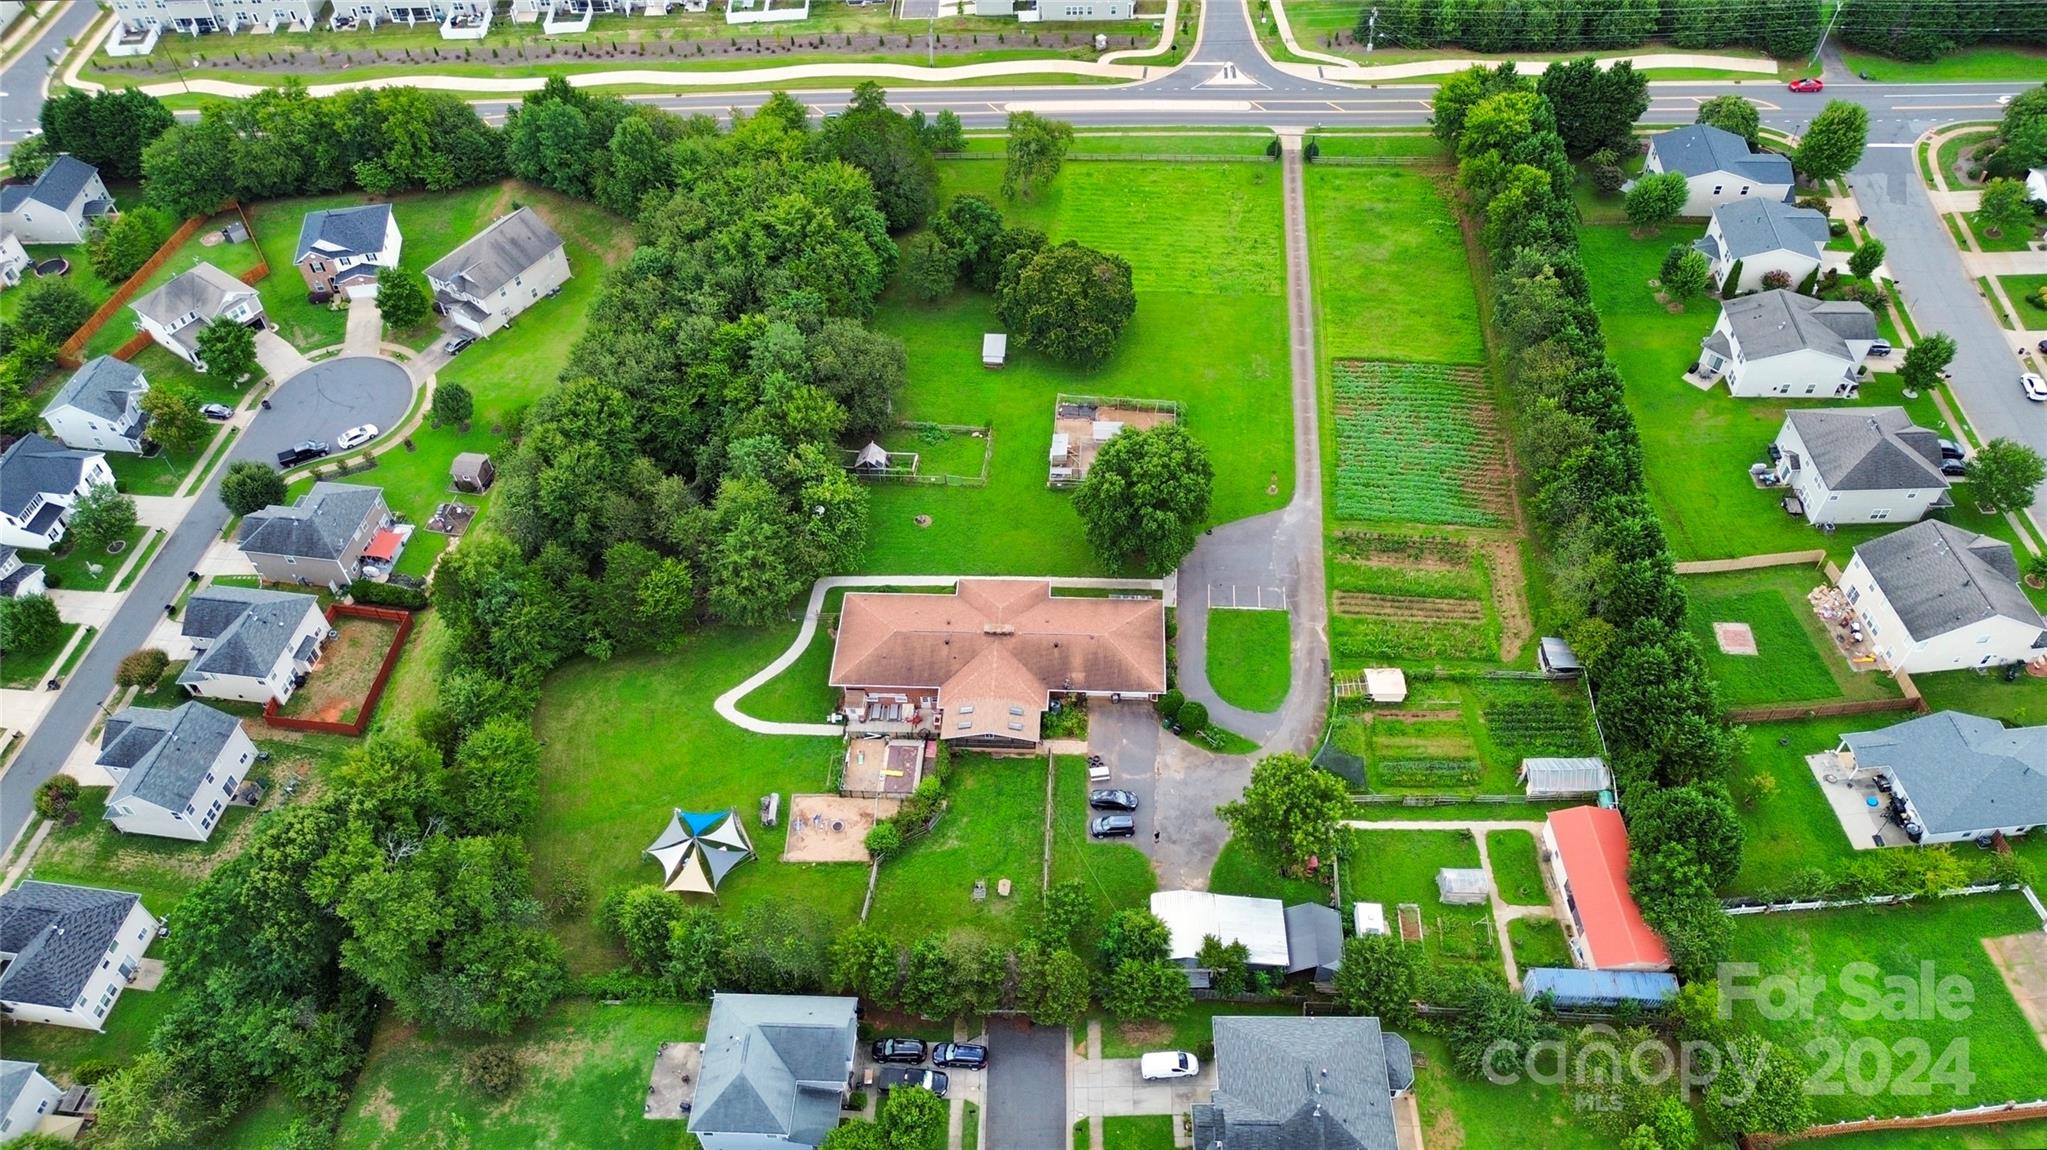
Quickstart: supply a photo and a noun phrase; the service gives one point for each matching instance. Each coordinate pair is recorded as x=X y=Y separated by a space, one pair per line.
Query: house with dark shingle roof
x=1718 y=167
x=1860 y=465
x=1961 y=776
x=67 y=952
x=775 y=1069
x=1780 y=343
x=503 y=270
x=174 y=314
x=1763 y=236
x=100 y=407
x=60 y=207
x=252 y=645
x=174 y=771
x=26 y=1097
x=19 y=579
x=342 y=249
x=1322 y=1083
x=318 y=540
x=39 y=481
x=1934 y=597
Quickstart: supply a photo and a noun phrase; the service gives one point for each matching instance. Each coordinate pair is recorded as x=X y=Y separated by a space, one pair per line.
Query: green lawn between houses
x=1205 y=248
x=1472 y=1112
x=989 y=832
x=1538 y=942
x=2021 y=289
x=1795 y=659
x=1116 y=874
x=1395 y=867
x=1249 y=662
x=1238 y=869
x=1517 y=873
x=1998 y=1044
x=232 y=258
x=1193 y=1030
x=1138 y=1132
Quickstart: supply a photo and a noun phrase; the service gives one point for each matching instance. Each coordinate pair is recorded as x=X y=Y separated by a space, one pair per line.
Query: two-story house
x=60 y=207
x=67 y=952
x=177 y=312
x=1718 y=167
x=1935 y=597
x=502 y=271
x=174 y=771
x=1761 y=237
x=253 y=646
x=39 y=481
x=19 y=580
x=15 y=261
x=26 y=1097
x=341 y=250
x=318 y=540
x=1780 y=343
x=100 y=407
x=1860 y=465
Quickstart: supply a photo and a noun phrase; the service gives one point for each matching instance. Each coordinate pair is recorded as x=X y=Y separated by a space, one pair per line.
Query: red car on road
x=1809 y=84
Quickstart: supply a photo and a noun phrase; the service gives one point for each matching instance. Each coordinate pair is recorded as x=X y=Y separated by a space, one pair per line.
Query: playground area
x=833 y=828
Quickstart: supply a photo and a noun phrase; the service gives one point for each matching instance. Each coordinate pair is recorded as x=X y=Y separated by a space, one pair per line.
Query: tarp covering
x=1598 y=987
x=385 y=546
x=699 y=849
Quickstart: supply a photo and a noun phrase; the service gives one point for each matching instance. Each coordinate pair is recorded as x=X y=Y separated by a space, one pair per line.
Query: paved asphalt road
x=21 y=82
x=1026 y=1086
x=333 y=395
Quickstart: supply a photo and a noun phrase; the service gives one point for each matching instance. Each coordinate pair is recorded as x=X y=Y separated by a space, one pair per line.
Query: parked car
x=1953 y=468
x=1807 y=84
x=2043 y=347
x=909 y=1050
x=1107 y=800
x=1949 y=449
x=355 y=437
x=217 y=411
x=1112 y=827
x=2034 y=387
x=1880 y=348
x=960 y=1056
x=1164 y=1064
x=455 y=346
x=304 y=451
x=899 y=1076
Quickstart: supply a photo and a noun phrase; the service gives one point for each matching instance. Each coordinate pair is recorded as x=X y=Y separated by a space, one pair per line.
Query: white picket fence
x=1737 y=910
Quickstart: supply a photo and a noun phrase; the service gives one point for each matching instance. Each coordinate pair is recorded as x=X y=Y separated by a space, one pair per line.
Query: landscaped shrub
x=1731 y=287
x=388 y=595
x=1169 y=704
x=56 y=796
x=141 y=667
x=1837 y=228
x=883 y=840
x=494 y=1070
x=88 y=1071
x=1776 y=279
x=1193 y=716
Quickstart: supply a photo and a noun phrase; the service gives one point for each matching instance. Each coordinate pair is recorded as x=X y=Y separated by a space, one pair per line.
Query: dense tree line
x=1929 y=29
x=1615 y=576
x=108 y=130
x=1782 y=28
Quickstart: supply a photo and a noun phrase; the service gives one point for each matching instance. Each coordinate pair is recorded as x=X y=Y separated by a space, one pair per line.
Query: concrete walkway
x=727 y=704
x=1098 y=1087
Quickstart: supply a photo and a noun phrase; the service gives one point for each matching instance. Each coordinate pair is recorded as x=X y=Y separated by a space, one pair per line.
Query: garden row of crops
x=1427 y=583
x=1427 y=551
x=1408 y=607
x=1524 y=719
x=1423 y=773
x=1357 y=639
x=1418 y=443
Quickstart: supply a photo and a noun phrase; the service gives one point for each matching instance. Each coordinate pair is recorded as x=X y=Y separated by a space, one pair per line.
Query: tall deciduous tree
x=1595 y=107
x=229 y=351
x=251 y=485
x=1069 y=302
x=29 y=624
x=101 y=516
x=119 y=248
x=2005 y=206
x=2005 y=474
x=886 y=145
x=1926 y=360
x=452 y=405
x=1656 y=199
x=1291 y=811
x=1733 y=114
x=1761 y=1089
x=1145 y=498
x=403 y=298
x=2021 y=136
x=1379 y=976
x=1035 y=150
x=1461 y=91
x=1867 y=258
x=1833 y=142
x=1688 y=276
x=174 y=419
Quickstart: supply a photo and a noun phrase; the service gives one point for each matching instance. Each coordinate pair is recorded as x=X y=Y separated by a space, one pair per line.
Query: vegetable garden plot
x=1537 y=719
x=1418 y=443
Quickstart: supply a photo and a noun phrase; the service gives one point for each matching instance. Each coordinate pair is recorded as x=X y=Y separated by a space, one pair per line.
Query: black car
x=909 y=1050
x=218 y=412
x=304 y=452
x=1953 y=468
x=455 y=346
x=1112 y=827
x=899 y=1076
x=1949 y=449
x=1112 y=800
x=960 y=1056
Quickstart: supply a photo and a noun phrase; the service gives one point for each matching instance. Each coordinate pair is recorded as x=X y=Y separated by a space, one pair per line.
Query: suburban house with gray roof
x=67 y=952
x=1860 y=465
x=1718 y=167
x=14 y=260
x=100 y=407
x=1763 y=236
x=318 y=540
x=1934 y=597
x=60 y=207
x=253 y=646
x=177 y=312
x=26 y=1097
x=342 y=249
x=1960 y=776
x=174 y=771
x=39 y=481
x=503 y=270
x=1281 y=1082
x=776 y=1068
x=18 y=579
x=1780 y=343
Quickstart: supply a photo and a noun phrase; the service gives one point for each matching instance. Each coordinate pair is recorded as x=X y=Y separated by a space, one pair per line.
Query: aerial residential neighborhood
x=1115 y=574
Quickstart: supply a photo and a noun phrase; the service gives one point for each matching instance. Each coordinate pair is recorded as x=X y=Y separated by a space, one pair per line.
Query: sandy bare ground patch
x=832 y=828
x=2022 y=960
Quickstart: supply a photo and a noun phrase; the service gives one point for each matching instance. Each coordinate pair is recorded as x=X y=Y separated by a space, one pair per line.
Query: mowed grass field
x=2003 y=1054
x=1395 y=867
x=1389 y=266
x=1206 y=253
x=1795 y=660
x=1248 y=659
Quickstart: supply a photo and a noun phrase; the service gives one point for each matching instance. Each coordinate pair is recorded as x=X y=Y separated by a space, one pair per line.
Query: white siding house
x=70 y=951
x=1718 y=167
x=1779 y=343
x=1934 y=597
x=59 y=207
x=25 y=1098
x=17 y=579
x=39 y=481
x=502 y=271
x=1958 y=777
x=174 y=771
x=343 y=249
x=177 y=312
x=1860 y=465
x=100 y=407
x=194 y=17
x=253 y=645
x=1763 y=236
x=14 y=260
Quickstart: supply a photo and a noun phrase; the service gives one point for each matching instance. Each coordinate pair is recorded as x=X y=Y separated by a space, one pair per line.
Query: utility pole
x=931 y=36
x=1832 y=16
x=1371 y=29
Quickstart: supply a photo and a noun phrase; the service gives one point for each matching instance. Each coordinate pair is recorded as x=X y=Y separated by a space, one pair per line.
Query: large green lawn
x=1248 y=658
x=1192 y=1029
x=234 y=259
x=1981 y=64
x=992 y=829
x=2002 y=1052
x=1475 y=1113
x=630 y=739
x=1204 y=245
x=1238 y=869
x=1517 y=873
x=585 y=1083
x=1389 y=266
x=1138 y=1132
x=2021 y=289
x=1795 y=660
x=2021 y=704
x=1395 y=867
x=1116 y=874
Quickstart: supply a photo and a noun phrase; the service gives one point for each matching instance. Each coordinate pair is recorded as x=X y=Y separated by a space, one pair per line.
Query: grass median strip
x=1248 y=658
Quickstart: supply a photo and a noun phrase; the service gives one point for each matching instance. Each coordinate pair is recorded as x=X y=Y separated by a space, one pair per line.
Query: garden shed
x=994 y=349
x=1461 y=886
x=473 y=472
x=1386 y=684
x=1565 y=777
x=1368 y=918
x=1557 y=659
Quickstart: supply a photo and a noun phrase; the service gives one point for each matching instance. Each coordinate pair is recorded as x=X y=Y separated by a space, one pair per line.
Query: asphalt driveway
x=1126 y=735
x=1026 y=1086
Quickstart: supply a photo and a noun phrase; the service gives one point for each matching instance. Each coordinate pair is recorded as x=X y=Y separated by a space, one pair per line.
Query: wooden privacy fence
x=376 y=691
x=70 y=355
x=1753 y=562
x=1974 y=1116
x=1767 y=714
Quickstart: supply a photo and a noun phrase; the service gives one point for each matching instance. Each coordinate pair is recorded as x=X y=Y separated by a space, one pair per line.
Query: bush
x=883 y=840
x=1193 y=716
x=452 y=404
x=1731 y=286
x=494 y=1070
x=29 y=625
x=1837 y=228
x=1776 y=280
x=141 y=667
x=388 y=595
x=91 y=1070
x=55 y=797
x=250 y=485
x=1169 y=704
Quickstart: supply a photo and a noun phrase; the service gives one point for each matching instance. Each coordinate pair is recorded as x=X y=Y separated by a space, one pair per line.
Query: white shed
x=1586 y=776
x=1463 y=887
x=1386 y=684
x=1368 y=918
x=1106 y=429
x=1191 y=915
x=994 y=349
x=1062 y=446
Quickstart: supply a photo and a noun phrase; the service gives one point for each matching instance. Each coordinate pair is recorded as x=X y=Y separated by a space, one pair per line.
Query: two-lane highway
x=21 y=81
